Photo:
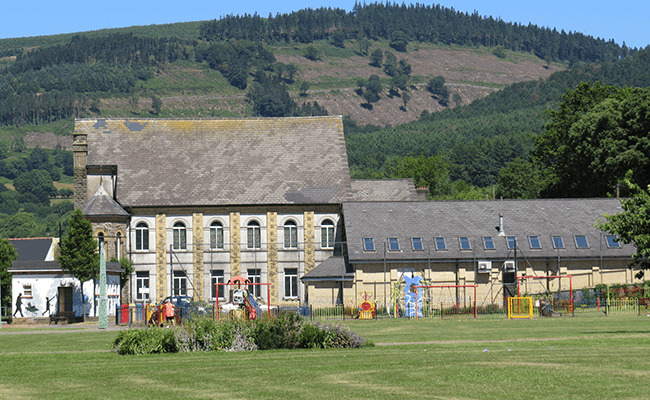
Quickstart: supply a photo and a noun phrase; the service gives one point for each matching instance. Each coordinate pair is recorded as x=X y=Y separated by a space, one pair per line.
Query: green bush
x=286 y=331
x=146 y=341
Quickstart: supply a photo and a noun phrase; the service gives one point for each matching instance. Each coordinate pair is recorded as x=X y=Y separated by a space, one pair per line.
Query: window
x=393 y=244
x=612 y=241
x=581 y=242
x=291 y=283
x=368 y=244
x=254 y=235
x=511 y=241
x=558 y=243
x=118 y=245
x=255 y=276
x=290 y=235
x=534 y=242
x=27 y=290
x=464 y=243
x=327 y=234
x=141 y=236
x=216 y=276
x=417 y=244
x=180 y=284
x=142 y=285
x=101 y=243
x=488 y=243
x=216 y=235
x=180 y=236
x=440 y=244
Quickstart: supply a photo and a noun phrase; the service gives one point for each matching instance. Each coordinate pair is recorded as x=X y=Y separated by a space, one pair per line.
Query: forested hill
x=421 y=23
x=482 y=137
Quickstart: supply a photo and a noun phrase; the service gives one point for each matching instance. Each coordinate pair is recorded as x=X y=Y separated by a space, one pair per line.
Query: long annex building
x=197 y=202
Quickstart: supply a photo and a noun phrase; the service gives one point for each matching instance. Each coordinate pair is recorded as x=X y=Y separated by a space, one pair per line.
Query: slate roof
x=53 y=267
x=384 y=190
x=33 y=249
x=476 y=219
x=332 y=269
x=169 y=162
x=101 y=204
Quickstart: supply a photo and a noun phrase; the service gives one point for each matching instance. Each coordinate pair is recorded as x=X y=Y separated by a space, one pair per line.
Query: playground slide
x=251 y=305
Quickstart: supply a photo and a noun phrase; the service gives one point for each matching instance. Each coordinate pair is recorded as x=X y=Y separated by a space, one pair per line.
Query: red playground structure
x=242 y=296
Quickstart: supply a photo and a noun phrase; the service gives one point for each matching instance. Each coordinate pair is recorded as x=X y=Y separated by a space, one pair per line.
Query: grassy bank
x=544 y=358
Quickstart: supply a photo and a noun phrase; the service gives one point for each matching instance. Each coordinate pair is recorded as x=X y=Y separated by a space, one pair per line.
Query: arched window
x=216 y=235
x=118 y=245
x=254 y=235
x=290 y=235
x=102 y=243
x=180 y=236
x=327 y=234
x=141 y=236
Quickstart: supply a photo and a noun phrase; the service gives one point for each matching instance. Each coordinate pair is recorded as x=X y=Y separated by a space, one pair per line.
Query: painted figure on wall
x=47 y=305
x=19 y=305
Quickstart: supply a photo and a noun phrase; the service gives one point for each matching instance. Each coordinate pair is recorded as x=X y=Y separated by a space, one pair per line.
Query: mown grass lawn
x=580 y=358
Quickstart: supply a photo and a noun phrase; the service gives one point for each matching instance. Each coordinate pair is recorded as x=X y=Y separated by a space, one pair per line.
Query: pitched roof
x=101 y=204
x=478 y=219
x=384 y=190
x=53 y=267
x=332 y=269
x=33 y=249
x=162 y=162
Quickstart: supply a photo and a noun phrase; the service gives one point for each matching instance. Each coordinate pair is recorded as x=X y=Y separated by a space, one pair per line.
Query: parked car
x=185 y=303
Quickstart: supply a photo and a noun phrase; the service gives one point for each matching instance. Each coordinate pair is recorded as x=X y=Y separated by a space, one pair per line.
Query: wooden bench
x=62 y=316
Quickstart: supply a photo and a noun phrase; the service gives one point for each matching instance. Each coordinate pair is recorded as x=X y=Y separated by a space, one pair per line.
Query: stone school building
x=198 y=202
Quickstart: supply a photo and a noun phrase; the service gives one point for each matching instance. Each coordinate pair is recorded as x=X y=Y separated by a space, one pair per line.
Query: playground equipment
x=367 y=308
x=548 y=303
x=520 y=307
x=412 y=299
x=456 y=305
x=243 y=298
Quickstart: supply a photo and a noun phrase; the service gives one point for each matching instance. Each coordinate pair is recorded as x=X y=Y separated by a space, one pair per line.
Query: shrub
x=146 y=341
x=286 y=331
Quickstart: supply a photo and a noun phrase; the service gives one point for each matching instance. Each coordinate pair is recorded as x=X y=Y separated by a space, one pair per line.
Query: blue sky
x=622 y=21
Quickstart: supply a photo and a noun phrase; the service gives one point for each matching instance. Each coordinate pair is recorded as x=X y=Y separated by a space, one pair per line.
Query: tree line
x=400 y=23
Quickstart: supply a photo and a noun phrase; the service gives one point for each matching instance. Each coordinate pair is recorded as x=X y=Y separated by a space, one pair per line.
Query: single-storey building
x=483 y=243
x=45 y=289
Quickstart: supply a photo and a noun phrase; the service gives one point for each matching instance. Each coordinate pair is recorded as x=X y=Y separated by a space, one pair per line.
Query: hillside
x=471 y=73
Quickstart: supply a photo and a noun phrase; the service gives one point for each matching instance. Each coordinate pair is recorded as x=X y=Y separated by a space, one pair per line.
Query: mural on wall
x=19 y=305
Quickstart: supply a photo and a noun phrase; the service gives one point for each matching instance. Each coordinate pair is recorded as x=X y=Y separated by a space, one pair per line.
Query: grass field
x=585 y=358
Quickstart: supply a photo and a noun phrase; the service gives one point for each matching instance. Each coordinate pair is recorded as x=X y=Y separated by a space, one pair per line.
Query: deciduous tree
x=633 y=224
x=78 y=251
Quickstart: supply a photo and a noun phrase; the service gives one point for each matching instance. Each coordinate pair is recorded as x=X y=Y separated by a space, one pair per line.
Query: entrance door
x=65 y=298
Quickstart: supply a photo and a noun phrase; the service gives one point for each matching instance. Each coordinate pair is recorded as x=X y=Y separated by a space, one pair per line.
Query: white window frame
x=142 y=236
x=462 y=240
x=369 y=244
x=142 y=281
x=290 y=235
x=291 y=283
x=612 y=242
x=179 y=233
x=253 y=235
x=217 y=276
x=438 y=240
x=327 y=234
x=393 y=244
x=216 y=230
x=179 y=283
